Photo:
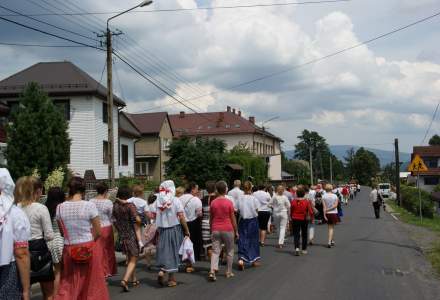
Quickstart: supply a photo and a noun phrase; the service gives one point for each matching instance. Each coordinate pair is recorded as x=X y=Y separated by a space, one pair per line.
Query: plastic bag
x=187 y=251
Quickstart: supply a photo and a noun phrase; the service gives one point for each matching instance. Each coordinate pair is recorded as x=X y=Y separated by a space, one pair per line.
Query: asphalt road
x=373 y=259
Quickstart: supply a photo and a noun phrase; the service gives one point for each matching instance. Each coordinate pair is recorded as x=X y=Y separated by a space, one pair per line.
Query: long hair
x=25 y=192
x=55 y=196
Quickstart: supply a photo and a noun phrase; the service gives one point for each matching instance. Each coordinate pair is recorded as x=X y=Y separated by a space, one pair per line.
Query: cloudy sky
x=368 y=95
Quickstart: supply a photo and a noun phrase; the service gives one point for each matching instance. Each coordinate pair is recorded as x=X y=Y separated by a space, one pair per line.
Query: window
x=64 y=106
x=431 y=162
x=104 y=112
x=142 y=168
x=237 y=125
x=431 y=180
x=165 y=144
x=124 y=155
x=228 y=126
x=105 y=158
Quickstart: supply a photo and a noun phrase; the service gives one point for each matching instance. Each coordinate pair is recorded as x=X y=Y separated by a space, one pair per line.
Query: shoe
x=189 y=269
x=256 y=264
x=279 y=246
x=172 y=283
x=229 y=275
x=211 y=277
x=261 y=244
x=160 y=279
x=304 y=252
x=296 y=252
x=241 y=265
x=135 y=283
x=124 y=286
x=311 y=243
x=329 y=246
x=332 y=243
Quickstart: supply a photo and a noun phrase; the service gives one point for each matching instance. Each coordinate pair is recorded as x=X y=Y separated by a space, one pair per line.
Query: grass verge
x=433 y=254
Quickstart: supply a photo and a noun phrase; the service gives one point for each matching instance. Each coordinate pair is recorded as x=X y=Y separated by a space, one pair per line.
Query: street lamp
x=111 y=161
x=264 y=129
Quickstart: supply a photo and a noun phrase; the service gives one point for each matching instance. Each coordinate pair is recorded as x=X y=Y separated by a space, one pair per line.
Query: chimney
x=239 y=113
x=182 y=114
x=252 y=120
x=228 y=108
x=233 y=111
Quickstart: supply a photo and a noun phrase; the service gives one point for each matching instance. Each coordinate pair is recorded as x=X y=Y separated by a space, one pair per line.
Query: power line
x=192 y=9
x=50 y=34
x=147 y=78
x=430 y=124
x=40 y=46
x=316 y=60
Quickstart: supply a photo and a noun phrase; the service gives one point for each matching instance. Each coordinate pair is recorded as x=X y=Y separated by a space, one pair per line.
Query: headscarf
x=6 y=231
x=165 y=198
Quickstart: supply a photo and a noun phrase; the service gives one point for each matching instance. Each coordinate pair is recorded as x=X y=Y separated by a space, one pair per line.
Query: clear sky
x=369 y=95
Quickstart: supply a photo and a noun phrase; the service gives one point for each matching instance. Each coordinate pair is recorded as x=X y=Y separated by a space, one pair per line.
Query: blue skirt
x=248 y=243
x=167 y=252
x=10 y=284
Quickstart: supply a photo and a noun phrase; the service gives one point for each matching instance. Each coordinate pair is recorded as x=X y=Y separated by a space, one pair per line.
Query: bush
x=410 y=201
x=131 y=181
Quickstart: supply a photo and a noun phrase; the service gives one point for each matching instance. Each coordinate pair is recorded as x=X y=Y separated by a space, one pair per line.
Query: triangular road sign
x=417 y=165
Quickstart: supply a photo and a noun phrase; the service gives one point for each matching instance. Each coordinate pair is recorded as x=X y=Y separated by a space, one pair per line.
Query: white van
x=385 y=190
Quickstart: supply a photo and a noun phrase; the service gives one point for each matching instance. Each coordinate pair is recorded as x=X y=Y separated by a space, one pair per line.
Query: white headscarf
x=6 y=231
x=167 y=192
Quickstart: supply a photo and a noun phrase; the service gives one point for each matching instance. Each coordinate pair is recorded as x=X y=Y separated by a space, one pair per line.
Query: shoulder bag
x=80 y=254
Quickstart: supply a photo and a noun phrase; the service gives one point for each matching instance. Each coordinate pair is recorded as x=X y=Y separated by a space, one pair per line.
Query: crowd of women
x=67 y=244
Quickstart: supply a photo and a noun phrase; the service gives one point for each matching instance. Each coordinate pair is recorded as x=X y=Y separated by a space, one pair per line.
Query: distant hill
x=384 y=156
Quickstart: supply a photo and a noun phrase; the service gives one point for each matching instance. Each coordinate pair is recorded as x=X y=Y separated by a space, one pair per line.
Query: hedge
x=410 y=201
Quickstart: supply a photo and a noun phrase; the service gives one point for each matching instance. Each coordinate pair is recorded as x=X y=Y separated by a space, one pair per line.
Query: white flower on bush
x=55 y=178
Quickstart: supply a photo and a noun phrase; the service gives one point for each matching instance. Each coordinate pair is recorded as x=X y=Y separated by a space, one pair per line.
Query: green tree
x=37 y=135
x=349 y=162
x=300 y=169
x=434 y=140
x=252 y=164
x=199 y=161
x=366 y=165
x=389 y=173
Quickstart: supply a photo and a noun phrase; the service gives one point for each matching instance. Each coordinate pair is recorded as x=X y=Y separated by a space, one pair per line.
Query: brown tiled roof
x=148 y=123
x=127 y=127
x=214 y=123
x=56 y=79
x=432 y=151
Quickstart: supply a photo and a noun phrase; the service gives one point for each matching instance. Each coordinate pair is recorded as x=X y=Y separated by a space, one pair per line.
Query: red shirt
x=345 y=191
x=220 y=211
x=299 y=208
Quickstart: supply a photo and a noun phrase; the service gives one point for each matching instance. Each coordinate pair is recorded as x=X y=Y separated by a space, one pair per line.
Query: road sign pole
x=420 y=197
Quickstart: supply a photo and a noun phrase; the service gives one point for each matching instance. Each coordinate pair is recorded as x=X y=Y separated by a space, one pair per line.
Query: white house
x=83 y=102
x=231 y=127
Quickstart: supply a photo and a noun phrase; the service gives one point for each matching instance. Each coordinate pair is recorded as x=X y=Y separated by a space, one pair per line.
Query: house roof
x=57 y=79
x=215 y=123
x=148 y=123
x=127 y=127
x=427 y=150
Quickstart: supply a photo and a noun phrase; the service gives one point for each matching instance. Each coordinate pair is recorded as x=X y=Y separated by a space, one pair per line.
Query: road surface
x=373 y=259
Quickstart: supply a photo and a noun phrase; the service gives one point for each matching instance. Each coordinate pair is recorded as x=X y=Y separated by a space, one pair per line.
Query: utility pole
x=111 y=138
x=311 y=165
x=396 y=153
x=331 y=169
x=111 y=161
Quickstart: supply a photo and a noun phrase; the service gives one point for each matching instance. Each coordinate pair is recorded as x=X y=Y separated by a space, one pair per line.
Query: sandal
x=172 y=283
x=189 y=269
x=124 y=286
x=135 y=283
x=211 y=277
x=160 y=280
x=229 y=275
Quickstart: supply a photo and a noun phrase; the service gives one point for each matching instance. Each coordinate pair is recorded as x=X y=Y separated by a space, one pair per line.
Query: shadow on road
x=418 y=249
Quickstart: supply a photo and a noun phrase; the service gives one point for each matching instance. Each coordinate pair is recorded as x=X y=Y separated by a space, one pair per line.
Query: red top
x=299 y=208
x=345 y=191
x=220 y=211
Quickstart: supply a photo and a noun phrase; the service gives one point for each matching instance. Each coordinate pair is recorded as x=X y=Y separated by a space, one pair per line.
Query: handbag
x=80 y=254
x=41 y=261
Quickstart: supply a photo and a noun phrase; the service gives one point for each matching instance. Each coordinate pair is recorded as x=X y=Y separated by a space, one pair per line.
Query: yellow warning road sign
x=417 y=165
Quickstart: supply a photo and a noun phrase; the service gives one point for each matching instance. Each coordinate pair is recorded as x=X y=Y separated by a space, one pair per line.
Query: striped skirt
x=167 y=254
x=248 y=243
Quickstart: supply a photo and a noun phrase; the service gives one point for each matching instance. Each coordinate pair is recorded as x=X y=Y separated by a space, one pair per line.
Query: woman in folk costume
x=15 y=231
x=169 y=215
x=248 y=243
